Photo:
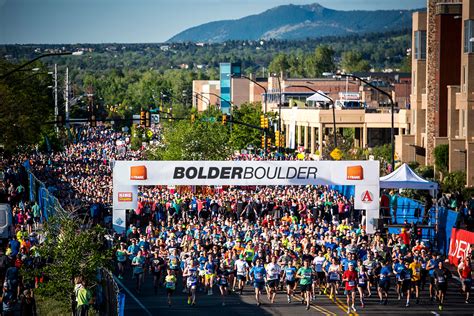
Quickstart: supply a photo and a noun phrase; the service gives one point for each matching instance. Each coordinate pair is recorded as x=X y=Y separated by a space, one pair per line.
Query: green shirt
x=36 y=210
x=83 y=296
x=306 y=275
x=170 y=281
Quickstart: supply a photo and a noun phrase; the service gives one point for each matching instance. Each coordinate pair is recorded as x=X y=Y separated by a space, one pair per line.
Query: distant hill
x=293 y=22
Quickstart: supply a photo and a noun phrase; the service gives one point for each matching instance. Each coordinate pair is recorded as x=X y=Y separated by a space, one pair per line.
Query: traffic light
x=269 y=142
x=282 y=140
x=147 y=119
x=193 y=118
x=142 y=118
x=93 y=121
x=266 y=123
x=262 y=121
x=263 y=141
x=224 y=119
x=277 y=138
x=59 y=121
x=170 y=114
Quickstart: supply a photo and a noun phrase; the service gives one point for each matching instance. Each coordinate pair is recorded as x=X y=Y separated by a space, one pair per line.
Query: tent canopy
x=318 y=97
x=405 y=178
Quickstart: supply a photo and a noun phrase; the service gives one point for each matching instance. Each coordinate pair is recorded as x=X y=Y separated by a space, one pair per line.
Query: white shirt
x=274 y=271
x=241 y=266
x=318 y=263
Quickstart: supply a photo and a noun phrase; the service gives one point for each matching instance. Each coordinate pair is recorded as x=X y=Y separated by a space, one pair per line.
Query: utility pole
x=66 y=93
x=56 y=110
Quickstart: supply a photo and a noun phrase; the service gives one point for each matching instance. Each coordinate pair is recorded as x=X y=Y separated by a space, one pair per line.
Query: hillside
x=296 y=22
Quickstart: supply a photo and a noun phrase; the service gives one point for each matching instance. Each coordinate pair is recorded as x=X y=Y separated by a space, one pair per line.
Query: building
x=442 y=99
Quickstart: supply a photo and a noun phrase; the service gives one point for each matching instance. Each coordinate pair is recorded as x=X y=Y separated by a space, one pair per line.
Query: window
x=469 y=36
x=420 y=44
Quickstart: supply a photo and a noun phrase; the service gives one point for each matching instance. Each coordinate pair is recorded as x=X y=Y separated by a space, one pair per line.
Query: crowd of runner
x=305 y=240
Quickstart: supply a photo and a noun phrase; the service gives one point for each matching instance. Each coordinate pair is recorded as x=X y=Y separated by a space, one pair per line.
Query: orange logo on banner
x=125 y=196
x=367 y=197
x=355 y=173
x=138 y=173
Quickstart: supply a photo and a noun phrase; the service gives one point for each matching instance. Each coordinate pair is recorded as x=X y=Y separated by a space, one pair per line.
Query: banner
x=119 y=220
x=460 y=246
x=363 y=175
x=355 y=173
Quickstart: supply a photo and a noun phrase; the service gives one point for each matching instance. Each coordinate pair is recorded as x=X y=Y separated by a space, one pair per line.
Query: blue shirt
x=258 y=273
x=290 y=273
x=385 y=271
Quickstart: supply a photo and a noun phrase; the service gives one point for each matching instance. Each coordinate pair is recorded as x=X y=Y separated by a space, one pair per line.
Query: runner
x=415 y=267
x=305 y=274
x=384 y=282
x=320 y=280
x=350 y=277
x=431 y=267
x=441 y=275
x=273 y=278
x=157 y=265
x=121 y=254
x=223 y=282
x=465 y=272
x=257 y=275
x=334 y=276
x=406 y=276
x=170 y=284
x=138 y=264
x=362 y=283
x=289 y=275
x=242 y=268
x=191 y=273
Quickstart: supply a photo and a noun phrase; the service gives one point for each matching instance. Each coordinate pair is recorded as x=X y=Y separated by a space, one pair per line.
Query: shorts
x=384 y=284
x=241 y=277
x=305 y=287
x=259 y=285
x=416 y=283
x=331 y=281
x=467 y=283
x=209 y=276
x=362 y=286
x=36 y=219
x=443 y=287
x=349 y=290
x=432 y=280
x=273 y=283
x=290 y=283
x=169 y=291
x=202 y=273
x=406 y=285
x=190 y=286
x=321 y=276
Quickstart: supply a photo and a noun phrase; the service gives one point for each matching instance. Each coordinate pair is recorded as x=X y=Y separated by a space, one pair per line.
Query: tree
x=67 y=252
x=322 y=60
x=454 y=182
x=352 y=61
x=279 y=64
x=241 y=136
x=204 y=139
x=441 y=155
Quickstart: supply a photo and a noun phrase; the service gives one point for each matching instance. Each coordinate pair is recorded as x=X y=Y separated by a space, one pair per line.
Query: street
x=245 y=304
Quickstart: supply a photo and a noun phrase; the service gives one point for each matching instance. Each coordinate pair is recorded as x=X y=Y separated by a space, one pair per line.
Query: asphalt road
x=147 y=303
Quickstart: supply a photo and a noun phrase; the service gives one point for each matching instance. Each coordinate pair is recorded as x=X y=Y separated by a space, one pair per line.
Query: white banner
x=364 y=175
x=246 y=173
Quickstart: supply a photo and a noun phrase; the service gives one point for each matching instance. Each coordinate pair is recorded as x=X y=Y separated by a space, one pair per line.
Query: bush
x=426 y=172
x=454 y=182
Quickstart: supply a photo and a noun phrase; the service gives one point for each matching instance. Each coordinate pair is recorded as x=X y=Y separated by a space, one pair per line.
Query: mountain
x=292 y=22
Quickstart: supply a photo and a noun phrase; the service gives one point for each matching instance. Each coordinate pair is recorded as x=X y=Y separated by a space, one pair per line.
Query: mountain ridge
x=296 y=22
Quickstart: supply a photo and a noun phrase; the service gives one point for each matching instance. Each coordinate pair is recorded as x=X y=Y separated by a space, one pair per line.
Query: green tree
x=279 y=64
x=205 y=139
x=241 y=135
x=352 y=61
x=441 y=155
x=322 y=60
x=25 y=104
x=454 y=182
x=70 y=252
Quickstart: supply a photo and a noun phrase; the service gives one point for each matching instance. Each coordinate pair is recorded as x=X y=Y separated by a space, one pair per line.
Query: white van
x=6 y=221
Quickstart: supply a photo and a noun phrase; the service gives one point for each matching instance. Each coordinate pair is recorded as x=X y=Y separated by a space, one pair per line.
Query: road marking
x=341 y=305
x=132 y=296
x=318 y=308
x=459 y=280
x=434 y=313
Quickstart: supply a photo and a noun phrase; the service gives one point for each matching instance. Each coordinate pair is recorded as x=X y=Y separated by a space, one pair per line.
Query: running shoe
x=189 y=301
x=354 y=309
x=307 y=308
x=348 y=310
x=440 y=307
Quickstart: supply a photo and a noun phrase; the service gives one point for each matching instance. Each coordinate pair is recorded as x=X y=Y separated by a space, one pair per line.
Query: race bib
x=441 y=279
x=351 y=283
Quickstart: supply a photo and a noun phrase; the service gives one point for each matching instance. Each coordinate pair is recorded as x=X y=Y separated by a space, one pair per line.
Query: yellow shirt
x=416 y=271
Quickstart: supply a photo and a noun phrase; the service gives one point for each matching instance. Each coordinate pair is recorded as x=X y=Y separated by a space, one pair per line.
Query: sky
x=139 y=21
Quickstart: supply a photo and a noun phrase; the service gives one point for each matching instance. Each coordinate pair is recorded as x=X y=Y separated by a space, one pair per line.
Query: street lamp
x=330 y=100
x=221 y=98
x=392 y=109
x=203 y=98
x=264 y=108
x=79 y=53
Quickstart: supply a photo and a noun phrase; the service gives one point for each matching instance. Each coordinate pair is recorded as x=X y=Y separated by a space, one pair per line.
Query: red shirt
x=351 y=276
x=405 y=238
